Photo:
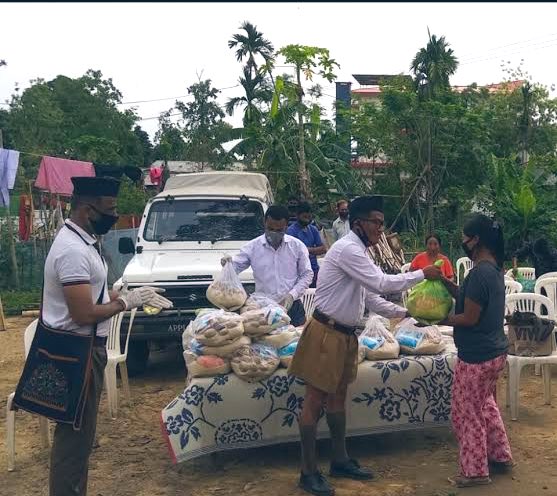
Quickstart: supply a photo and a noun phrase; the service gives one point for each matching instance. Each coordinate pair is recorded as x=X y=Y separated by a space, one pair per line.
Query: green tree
x=251 y=44
x=433 y=65
x=309 y=61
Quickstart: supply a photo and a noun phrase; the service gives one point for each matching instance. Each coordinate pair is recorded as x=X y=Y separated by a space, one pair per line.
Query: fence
x=31 y=256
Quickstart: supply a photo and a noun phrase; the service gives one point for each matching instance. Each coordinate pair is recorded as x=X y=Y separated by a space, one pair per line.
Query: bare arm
x=318 y=250
x=470 y=317
x=113 y=294
x=83 y=311
x=451 y=286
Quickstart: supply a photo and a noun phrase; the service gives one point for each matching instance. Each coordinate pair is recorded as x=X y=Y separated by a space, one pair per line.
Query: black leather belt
x=328 y=321
x=99 y=341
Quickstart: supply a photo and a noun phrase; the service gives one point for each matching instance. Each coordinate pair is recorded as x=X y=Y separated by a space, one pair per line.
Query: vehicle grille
x=192 y=297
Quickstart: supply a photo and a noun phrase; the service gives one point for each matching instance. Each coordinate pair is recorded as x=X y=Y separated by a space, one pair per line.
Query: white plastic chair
x=44 y=430
x=529 y=302
x=547 y=275
x=115 y=358
x=308 y=300
x=512 y=287
x=528 y=273
x=405 y=268
x=466 y=264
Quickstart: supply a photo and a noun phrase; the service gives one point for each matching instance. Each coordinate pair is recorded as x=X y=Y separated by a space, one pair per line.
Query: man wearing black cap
x=76 y=298
x=326 y=356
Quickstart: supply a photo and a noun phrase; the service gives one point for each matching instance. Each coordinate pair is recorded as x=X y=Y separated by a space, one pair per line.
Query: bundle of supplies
x=257 y=301
x=226 y=291
x=419 y=340
x=205 y=365
x=263 y=320
x=286 y=353
x=254 y=362
x=429 y=302
x=217 y=327
x=377 y=342
x=279 y=338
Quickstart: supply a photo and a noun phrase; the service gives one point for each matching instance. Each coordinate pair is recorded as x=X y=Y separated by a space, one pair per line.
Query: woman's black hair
x=490 y=235
x=434 y=236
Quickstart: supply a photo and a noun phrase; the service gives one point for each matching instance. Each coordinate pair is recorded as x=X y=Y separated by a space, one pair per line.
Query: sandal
x=461 y=481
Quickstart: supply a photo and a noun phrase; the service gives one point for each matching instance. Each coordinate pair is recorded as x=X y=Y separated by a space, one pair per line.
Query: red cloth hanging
x=155 y=174
x=55 y=174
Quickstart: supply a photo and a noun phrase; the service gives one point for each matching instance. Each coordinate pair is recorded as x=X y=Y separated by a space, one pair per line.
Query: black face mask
x=103 y=224
x=363 y=236
x=304 y=223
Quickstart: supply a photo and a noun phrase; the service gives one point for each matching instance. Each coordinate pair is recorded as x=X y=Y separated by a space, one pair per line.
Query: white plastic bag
x=416 y=340
x=223 y=351
x=264 y=320
x=378 y=342
x=257 y=301
x=217 y=328
x=278 y=338
x=226 y=291
x=205 y=365
x=255 y=362
x=286 y=353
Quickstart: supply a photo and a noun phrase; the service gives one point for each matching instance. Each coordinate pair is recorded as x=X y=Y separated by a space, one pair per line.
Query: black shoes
x=350 y=469
x=316 y=484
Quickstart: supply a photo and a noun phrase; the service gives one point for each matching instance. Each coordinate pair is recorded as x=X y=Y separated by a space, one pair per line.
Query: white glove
x=145 y=295
x=287 y=301
x=224 y=260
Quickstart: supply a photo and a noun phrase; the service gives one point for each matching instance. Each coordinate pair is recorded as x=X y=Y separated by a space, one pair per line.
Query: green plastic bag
x=429 y=302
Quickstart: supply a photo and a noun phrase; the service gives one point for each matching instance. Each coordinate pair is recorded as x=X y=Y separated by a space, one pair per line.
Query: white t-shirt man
x=73 y=259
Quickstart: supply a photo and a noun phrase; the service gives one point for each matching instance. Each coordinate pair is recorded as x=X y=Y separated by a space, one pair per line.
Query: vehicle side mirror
x=126 y=246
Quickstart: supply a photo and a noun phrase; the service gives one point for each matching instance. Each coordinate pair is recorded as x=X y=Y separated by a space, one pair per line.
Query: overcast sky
x=155 y=51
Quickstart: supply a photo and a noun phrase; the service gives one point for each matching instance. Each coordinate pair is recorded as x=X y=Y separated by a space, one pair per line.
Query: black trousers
x=69 y=458
x=297 y=314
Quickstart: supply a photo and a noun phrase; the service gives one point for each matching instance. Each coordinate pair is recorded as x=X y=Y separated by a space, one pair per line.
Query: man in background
x=307 y=233
x=341 y=226
x=280 y=264
x=541 y=254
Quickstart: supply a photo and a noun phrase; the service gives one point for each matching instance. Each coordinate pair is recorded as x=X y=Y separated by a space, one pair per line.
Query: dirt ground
x=132 y=458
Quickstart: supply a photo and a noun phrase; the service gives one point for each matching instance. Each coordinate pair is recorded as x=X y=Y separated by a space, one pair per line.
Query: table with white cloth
x=224 y=412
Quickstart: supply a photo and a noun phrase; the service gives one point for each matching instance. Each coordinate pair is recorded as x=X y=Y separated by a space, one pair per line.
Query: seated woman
x=431 y=255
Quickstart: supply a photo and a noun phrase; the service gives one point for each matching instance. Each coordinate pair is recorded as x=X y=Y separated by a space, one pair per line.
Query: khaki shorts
x=326 y=359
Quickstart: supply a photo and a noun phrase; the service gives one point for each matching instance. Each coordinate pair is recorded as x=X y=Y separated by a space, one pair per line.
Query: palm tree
x=250 y=45
x=433 y=65
x=255 y=91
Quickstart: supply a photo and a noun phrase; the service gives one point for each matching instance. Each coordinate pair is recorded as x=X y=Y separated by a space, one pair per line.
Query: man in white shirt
x=341 y=226
x=280 y=264
x=326 y=356
x=76 y=298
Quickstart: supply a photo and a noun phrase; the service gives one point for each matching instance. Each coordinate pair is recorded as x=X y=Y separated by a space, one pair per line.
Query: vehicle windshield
x=204 y=220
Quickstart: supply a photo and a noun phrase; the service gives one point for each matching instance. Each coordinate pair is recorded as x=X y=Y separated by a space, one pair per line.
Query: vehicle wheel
x=138 y=356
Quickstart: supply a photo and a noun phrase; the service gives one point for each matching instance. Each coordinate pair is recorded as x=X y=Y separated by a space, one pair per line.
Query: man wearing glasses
x=326 y=356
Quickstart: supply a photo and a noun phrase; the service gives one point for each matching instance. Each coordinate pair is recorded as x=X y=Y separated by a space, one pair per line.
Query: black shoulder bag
x=57 y=372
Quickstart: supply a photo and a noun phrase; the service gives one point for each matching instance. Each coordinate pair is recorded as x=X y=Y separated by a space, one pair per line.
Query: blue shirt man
x=307 y=233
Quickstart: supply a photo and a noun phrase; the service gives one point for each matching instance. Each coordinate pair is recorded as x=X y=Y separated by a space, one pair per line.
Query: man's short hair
x=304 y=208
x=341 y=202
x=277 y=212
x=361 y=207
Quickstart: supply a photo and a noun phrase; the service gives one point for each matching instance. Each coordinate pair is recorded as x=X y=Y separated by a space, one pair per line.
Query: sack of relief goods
x=223 y=351
x=377 y=341
x=205 y=365
x=254 y=362
x=429 y=302
x=286 y=353
x=217 y=327
x=264 y=320
x=416 y=339
x=226 y=291
x=278 y=338
x=257 y=301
